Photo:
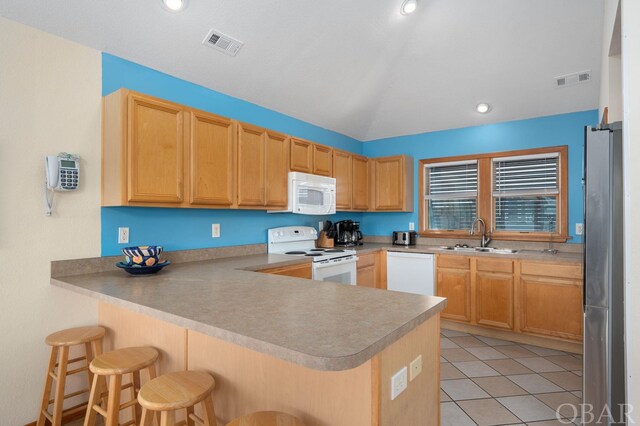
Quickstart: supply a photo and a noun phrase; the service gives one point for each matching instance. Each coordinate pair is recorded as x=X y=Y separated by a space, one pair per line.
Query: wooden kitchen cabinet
x=300 y=271
x=277 y=165
x=322 y=160
x=371 y=270
x=392 y=183
x=453 y=281
x=342 y=172
x=301 y=158
x=494 y=288
x=551 y=299
x=360 y=183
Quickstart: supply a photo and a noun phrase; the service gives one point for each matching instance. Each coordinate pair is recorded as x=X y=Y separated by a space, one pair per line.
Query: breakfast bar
x=324 y=352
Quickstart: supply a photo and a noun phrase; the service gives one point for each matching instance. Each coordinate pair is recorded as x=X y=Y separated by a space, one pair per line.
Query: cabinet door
x=322 y=160
x=455 y=285
x=342 y=171
x=389 y=184
x=277 y=167
x=360 y=183
x=301 y=158
x=551 y=306
x=251 y=161
x=494 y=299
x=367 y=273
x=299 y=271
x=212 y=155
x=155 y=151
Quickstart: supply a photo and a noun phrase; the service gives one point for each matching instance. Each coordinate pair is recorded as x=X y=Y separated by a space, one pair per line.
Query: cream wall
x=50 y=97
x=631 y=113
x=610 y=81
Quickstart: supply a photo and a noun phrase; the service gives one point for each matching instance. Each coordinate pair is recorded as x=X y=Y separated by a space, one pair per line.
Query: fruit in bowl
x=142 y=255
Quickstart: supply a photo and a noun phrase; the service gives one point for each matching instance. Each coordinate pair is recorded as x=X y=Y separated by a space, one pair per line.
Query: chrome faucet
x=485 y=238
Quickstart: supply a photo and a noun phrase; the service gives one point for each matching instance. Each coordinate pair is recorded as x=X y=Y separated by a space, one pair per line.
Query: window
x=521 y=195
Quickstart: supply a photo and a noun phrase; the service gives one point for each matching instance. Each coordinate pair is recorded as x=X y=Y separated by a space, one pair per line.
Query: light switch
x=415 y=368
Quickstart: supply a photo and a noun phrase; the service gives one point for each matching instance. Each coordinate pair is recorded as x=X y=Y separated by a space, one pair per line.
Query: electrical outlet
x=415 y=368
x=412 y=226
x=123 y=235
x=215 y=230
x=579 y=228
x=320 y=226
x=398 y=383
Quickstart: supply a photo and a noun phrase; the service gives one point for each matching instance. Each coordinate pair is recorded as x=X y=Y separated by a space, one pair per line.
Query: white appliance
x=335 y=265
x=410 y=272
x=310 y=194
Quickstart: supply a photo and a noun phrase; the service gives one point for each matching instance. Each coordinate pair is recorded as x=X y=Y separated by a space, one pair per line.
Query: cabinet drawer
x=455 y=262
x=560 y=270
x=365 y=260
x=494 y=265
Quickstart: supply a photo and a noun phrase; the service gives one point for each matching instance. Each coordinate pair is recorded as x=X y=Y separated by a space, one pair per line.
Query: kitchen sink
x=481 y=250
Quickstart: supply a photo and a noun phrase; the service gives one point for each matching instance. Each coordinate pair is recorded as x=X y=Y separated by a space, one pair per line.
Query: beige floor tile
x=452 y=333
x=515 y=351
x=577 y=393
x=453 y=355
x=565 y=379
x=494 y=342
x=467 y=341
x=577 y=372
x=507 y=366
x=452 y=415
x=543 y=351
x=550 y=423
x=527 y=408
x=539 y=364
x=445 y=343
x=487 y=412
x=443 y=396
x=499 y=386
x=448 y=372
x=461 y=389
x=485 y=353
x=534 y=383
x=475 y=369
x=566 y=404
x=443 y=360
x=567 y=362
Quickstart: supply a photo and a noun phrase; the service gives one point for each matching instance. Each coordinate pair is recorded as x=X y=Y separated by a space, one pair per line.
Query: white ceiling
x=357 y=67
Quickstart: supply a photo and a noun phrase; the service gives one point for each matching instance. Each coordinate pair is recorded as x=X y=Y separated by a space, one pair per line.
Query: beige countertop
x=319 y=325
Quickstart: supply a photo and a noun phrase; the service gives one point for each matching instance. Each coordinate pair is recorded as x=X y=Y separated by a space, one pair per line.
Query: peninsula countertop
x=319 y=325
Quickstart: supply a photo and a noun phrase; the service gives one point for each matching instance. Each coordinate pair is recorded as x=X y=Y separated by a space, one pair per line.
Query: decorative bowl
x=142 y=270
x=142 y=255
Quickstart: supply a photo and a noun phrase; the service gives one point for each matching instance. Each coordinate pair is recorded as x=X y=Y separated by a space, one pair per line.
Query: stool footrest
x=77 y=370
x=130 y=422
x=128 y=404
x=196 y=419
x=47 y=415
x=73 y=360
x=71 y=395
x=100 y=410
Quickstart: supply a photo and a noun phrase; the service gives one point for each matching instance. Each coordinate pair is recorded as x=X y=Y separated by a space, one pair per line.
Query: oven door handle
x=329 y=264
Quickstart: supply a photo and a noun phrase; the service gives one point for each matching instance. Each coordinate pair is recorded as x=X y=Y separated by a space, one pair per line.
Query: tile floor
x=486 y=381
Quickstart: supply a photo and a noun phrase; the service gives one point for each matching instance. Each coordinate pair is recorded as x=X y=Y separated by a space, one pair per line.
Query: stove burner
x=334 y=251
x=313 y=254
x=319 y=249
x=296 y=252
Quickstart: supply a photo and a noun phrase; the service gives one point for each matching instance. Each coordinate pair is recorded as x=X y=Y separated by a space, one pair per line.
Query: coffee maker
x=347 y=233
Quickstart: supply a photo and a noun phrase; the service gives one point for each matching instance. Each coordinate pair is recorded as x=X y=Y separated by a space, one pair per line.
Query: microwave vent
x=223 y=43
x=573 y=79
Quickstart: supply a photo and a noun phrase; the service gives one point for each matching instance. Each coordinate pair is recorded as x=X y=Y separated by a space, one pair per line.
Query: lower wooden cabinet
x=372 y=270
x=300 y=271
x=453 y=281
x=494 y=299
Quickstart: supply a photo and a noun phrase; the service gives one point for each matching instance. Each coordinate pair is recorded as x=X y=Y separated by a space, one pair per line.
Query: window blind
x=451 y=191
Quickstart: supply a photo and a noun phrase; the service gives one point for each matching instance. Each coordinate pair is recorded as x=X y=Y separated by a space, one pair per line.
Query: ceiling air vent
x=216 y=40
x=573 y=79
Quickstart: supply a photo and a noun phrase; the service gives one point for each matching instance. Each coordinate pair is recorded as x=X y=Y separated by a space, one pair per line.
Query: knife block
x=323 y=241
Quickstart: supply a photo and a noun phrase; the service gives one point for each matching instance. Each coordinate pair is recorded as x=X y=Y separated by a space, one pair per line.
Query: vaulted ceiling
x=357 y=67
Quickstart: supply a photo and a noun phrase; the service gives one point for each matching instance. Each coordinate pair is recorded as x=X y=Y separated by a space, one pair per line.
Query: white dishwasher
x=410 y=272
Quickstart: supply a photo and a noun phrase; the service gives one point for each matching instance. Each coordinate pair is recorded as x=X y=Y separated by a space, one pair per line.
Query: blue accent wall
x=564 y=129
x=181 y=229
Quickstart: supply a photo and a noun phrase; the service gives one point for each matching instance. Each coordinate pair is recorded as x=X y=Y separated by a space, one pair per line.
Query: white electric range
x=331 y=264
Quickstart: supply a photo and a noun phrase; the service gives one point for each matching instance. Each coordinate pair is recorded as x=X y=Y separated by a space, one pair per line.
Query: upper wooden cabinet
x=360 y=183
x=322 y=160
x=262 y=167
x=301 y=159
x=343 y=173
x=392 y=183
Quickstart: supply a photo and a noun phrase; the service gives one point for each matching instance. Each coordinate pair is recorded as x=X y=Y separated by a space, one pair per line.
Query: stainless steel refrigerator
x=604 y=363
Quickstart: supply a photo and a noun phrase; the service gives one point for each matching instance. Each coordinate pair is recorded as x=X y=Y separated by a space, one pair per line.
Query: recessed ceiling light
x=409 y=6
x=483 y=108
x=174 y=5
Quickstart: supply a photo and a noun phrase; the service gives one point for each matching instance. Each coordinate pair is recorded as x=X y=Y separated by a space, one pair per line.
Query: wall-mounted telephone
x=62 y=174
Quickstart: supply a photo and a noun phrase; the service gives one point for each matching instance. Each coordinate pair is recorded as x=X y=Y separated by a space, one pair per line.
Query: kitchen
x=80 y=229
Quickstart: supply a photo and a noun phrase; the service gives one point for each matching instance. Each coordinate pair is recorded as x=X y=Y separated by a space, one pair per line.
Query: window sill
x=503 y=236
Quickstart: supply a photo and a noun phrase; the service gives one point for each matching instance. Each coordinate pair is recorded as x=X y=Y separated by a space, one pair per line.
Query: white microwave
x=311 y=194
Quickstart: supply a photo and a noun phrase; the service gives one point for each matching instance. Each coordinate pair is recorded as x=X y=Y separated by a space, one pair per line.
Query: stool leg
x=89 y=355
x=62 y=378
x=94 y=398
x=47 y=386
x=113 y=406
x=209 y=413
x=135 y=412
x=167 y=418
x=189 y=421
x=147 y=417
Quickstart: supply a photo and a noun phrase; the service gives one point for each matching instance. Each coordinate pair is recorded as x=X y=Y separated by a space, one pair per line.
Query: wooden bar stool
x=267 y=418
x=175 y=391
x=61 y=342
x=114 y=365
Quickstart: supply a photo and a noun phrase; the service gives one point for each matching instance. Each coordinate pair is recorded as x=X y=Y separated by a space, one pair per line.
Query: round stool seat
x=267 y=418
x=172 y=391
x=123 y=361
x=74 y=336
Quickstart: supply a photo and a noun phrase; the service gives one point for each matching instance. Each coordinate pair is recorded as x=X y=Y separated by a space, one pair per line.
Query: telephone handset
x=63 y=172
